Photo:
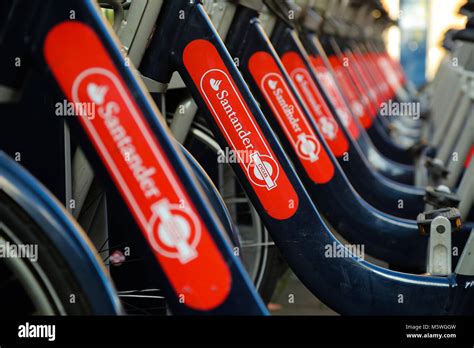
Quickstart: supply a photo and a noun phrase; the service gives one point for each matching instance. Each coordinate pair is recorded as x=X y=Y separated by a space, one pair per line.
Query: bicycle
x=279 y=196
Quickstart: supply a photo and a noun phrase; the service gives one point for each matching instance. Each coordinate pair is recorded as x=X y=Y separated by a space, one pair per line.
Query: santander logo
x=215 y=84
x=96 y=93
x=272 y=84
x=300 y=78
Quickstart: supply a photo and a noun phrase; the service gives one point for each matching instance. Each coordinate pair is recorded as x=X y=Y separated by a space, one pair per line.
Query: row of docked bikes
x=177 y=157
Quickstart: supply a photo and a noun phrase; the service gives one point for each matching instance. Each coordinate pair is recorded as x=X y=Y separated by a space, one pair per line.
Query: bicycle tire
x=55 y=281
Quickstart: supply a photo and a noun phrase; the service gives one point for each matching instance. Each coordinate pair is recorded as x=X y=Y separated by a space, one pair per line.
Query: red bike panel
x=240 y=129
x=138 y=165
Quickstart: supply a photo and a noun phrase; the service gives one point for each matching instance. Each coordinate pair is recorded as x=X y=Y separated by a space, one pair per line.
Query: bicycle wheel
x=42 y=283
x=45 y=286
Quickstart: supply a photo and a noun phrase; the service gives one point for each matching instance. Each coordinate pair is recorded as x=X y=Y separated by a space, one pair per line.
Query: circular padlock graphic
x=328 y=127
x=358 y=109
x=174 y=231
x=263 y=170
x=344 y=115
x=308 y=147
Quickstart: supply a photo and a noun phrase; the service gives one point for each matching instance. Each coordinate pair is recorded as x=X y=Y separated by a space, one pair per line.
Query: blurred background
x=417 y=41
